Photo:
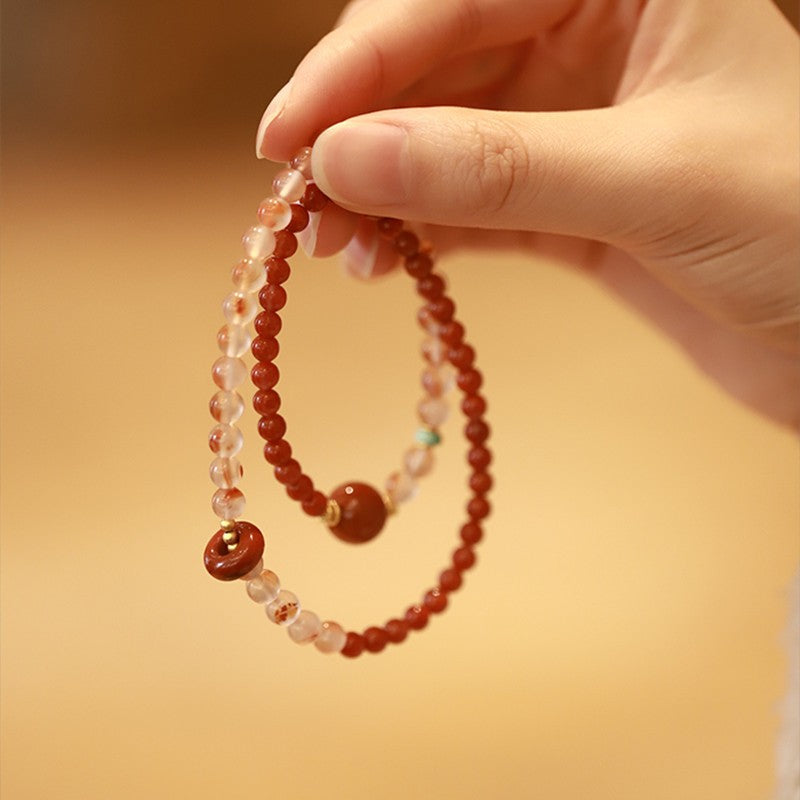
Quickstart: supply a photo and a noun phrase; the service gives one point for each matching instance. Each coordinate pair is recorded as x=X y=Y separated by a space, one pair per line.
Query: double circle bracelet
x=354 y=512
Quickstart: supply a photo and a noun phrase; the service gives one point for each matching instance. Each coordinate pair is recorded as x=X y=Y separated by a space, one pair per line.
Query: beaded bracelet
x=354 y=512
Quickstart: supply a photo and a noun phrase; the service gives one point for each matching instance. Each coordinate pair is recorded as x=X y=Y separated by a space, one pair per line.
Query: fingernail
x=274 y=110
x=362 y=163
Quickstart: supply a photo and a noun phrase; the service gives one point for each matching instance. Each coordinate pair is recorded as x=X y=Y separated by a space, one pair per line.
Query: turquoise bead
x=427 y=437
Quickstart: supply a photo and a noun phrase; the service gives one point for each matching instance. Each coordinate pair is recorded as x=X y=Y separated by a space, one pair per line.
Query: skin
x=653 y=145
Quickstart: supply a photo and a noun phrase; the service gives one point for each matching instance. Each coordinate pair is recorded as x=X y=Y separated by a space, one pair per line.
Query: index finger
x=382 y=48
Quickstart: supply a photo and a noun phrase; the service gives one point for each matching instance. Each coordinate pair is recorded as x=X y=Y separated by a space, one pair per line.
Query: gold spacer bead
x=391 y=508
x=232 y=546
x=228 y=524
x=333 y=514
x=230 y=537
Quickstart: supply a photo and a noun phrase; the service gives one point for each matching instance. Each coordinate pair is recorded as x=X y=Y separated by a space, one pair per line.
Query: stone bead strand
x=236 y=550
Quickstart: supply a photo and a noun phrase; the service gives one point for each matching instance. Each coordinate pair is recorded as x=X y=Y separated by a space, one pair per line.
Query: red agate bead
x=363 y=512
x=228 y=565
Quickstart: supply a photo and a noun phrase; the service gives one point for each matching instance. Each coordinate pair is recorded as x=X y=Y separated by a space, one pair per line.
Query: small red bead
x=277 y=453
x=266 y=402
x=473 y=406
x=461 y=357
x=315 y=505
x=354 y=645
x=375 y=639
x=479 y=458
x=471 y=533
x=478 y=507
x=450 y=580
x=476 y=431
x=272 y=297
x=363 y=512
x=480 y=482
x=435 y=601
x=430 y=287
x=265 y=349
x=268 y=324
x=301 y=490
x=285 y=241
x=314 y=199
x=396 y=630
x=418 y=265
x=278 y=270
x=463 y=558
x=406 y=243
x=272 y=427
x=388 y=227
x=452 y=333
x=264 y=376
x=442 y=308
x=416 y=617
x=470 y=381
x=288 y=473
x=298 y=223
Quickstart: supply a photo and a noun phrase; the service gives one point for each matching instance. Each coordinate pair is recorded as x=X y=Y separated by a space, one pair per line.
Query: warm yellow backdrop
x=620 y=638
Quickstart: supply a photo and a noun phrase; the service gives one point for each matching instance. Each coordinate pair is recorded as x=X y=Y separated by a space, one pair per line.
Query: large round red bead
x=363 y=512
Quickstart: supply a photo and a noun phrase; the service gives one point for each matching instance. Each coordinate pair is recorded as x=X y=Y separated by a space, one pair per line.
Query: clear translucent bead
x=226 y=406
x=429 y=322
x=239 y=308
x=274 y=212
x=233 y=340
x=228 y=372
x=302 y=162
x=433 y=350
x=248 y=275
x=437 y=381
x=289 y=184
x=264 y=588
x=331 y=638
x=225 y=472
x=401 y=487
x=433 y=411
x=225 y=440
x=228 y=503
x=305 y=628
x=418 y=461
x=258 y=242
x=284 y=609
x=255 y=572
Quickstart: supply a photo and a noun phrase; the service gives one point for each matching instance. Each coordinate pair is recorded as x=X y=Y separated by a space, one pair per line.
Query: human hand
x=655 y=146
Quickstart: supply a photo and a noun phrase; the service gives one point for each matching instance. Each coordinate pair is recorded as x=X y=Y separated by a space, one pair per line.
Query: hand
x=654 y=145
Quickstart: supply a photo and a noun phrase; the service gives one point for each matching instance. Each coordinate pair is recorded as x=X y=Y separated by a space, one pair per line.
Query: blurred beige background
x=621 y=636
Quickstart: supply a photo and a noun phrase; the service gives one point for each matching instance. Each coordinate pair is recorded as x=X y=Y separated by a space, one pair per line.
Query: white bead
x=239 y=308
x=434 y=350
x=258 y=242
x=264 y=587
x=228 y=373
x=228 y=503
x=331 y=638
x=226 y=407
x=401 y=487
x=225 y=440
x=305 y=628
x=248 y=275
x=233 y=340
x=289 y=184
x=275 y=213
x=418 y=461
x=283 y=610
x=433 y=411
x=225 y=472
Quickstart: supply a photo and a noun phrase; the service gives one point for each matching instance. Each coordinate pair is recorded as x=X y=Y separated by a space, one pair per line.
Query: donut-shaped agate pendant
x=363 y=512
x=229 y=565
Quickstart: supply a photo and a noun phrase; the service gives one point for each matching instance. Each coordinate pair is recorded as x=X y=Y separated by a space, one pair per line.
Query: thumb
x=580 y=173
